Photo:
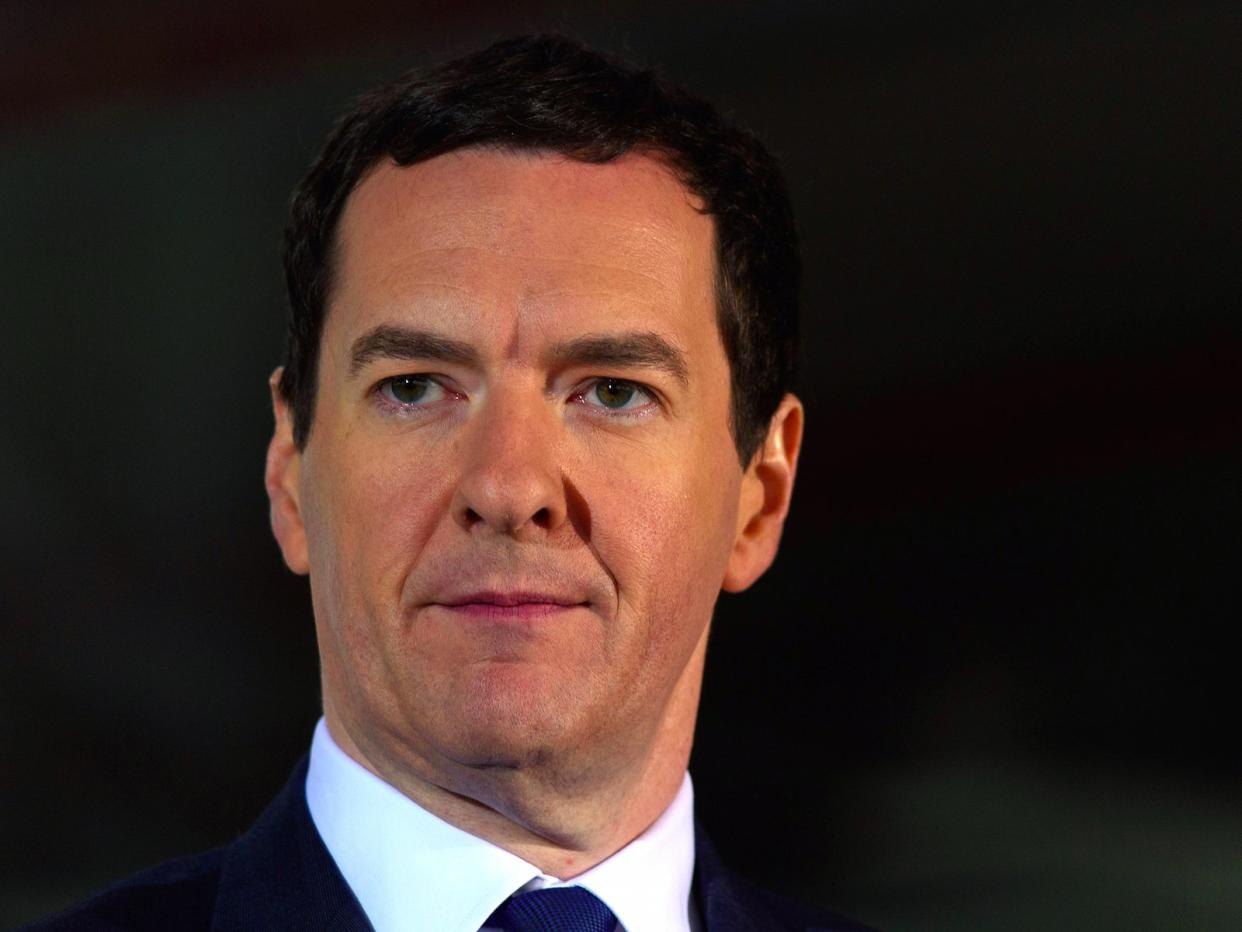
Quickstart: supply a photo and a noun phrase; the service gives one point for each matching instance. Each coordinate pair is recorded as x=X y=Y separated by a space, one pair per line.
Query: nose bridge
x=511 y=480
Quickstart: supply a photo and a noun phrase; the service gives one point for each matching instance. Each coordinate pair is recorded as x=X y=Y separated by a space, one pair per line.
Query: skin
x=513 y=582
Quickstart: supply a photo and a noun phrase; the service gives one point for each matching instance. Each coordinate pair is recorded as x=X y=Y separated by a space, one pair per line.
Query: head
x=535 y=415
x=551 y=95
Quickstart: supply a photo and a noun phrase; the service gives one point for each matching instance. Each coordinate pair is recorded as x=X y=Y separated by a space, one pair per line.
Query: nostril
x=507 y=504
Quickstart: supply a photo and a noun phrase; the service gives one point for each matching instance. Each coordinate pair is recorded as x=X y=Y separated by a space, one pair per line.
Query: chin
x=510 y=719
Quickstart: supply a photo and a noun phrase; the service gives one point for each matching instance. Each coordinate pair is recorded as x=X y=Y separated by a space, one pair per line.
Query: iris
x=408 y=389
x=613 y=393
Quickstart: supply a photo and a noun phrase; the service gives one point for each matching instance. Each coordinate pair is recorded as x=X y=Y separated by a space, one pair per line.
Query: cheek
x=368 y=524
x=667 y=540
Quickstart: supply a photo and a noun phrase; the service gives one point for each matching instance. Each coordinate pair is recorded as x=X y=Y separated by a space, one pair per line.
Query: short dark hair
x=550 y=93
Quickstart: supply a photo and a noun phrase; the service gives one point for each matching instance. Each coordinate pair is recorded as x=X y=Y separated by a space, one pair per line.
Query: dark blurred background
x=989 y=684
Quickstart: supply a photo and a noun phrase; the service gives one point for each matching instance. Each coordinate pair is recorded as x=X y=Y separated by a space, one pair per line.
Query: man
x=534 y=416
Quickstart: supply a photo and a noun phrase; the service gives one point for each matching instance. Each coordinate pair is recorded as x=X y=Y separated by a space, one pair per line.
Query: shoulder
x=785 y=913
x=277 y=877
x=730 y=903
x=180 y=894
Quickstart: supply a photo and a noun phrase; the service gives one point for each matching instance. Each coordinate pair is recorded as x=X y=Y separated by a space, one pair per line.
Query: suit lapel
x=279 y=876
x=723 y=905
x=728 y=904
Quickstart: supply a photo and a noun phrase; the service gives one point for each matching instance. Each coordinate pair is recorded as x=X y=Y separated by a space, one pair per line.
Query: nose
x=511 y=481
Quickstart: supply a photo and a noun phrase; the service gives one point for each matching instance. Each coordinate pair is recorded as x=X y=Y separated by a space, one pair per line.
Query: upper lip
x=510 y=597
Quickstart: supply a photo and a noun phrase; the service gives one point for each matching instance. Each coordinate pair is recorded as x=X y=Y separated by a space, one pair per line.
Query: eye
x=408 y=391
x=616 y=395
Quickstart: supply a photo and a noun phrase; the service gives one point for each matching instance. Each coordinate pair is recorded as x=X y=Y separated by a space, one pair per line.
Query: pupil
x=614 y=394
x=408 y=389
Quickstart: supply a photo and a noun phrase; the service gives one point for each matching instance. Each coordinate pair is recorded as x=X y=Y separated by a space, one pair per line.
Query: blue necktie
x=555 y=909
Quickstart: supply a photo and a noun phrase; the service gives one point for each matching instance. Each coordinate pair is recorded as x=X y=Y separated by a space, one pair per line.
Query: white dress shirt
x=412 y=871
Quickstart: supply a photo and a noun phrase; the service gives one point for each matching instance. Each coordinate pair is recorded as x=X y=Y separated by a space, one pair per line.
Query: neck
x=564 y=823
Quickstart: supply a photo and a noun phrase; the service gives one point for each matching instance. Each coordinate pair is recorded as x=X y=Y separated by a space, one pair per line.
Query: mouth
x=501 y=606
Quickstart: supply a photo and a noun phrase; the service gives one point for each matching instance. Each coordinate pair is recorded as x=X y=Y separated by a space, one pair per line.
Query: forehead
x=491 y=237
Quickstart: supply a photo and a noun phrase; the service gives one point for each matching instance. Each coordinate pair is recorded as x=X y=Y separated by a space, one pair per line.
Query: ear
x=764 y=499
x=284 y=465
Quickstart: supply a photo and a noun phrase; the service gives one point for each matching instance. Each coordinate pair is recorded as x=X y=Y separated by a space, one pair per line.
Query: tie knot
x=555 y=909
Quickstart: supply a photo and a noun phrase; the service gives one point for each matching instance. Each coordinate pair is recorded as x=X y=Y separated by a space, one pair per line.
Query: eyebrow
x=637 y=349
x=624 y=350
x=389 y=342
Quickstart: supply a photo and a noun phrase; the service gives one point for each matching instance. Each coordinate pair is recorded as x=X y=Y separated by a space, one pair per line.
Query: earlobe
x=767 y=488
x=281 y=477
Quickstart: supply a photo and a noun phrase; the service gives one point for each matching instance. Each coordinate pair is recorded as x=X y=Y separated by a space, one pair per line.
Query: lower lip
x=523 y=611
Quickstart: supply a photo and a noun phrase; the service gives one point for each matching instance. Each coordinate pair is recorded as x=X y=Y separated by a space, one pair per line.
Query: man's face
x=521 y=495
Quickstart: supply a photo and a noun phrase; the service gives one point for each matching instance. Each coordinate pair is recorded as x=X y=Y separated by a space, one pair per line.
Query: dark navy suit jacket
x=279 y=876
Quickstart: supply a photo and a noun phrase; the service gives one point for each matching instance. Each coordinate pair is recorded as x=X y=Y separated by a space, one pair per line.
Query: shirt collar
x=412 y=870
x=647 y=883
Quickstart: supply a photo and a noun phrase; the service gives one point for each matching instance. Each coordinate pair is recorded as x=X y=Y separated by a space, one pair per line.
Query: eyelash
x=392 y=406
x=580 y=397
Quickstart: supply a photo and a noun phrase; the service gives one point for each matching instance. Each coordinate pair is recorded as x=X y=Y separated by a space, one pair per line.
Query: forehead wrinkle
x=513 y=344
x=626 y=256
x=645 y=237
x=504 y=231
x=425 y=290
x=397 y=305
x=549 y=259
x=608 y=285
x=396 y=274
